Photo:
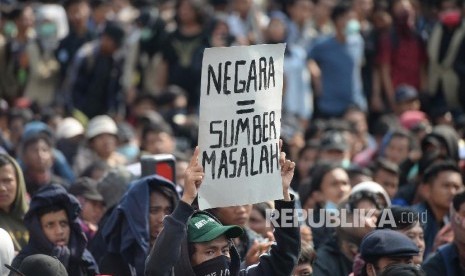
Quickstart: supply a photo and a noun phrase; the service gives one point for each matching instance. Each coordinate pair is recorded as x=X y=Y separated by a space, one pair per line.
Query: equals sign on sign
x=245 y=107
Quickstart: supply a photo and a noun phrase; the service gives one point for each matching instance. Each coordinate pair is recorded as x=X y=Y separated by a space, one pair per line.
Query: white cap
x=373 y=187
x=68 y=128
x=101 y=124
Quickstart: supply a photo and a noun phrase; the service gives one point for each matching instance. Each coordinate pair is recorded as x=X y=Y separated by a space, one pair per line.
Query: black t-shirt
x=183 y=55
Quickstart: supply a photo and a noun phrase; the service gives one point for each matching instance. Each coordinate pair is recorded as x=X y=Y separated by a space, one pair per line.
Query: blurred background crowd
x=374 y=92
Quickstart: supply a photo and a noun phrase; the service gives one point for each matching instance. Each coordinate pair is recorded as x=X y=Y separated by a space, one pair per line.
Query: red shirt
x=406 y=58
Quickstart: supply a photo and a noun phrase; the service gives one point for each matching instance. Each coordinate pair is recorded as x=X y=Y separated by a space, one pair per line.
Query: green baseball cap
x=204 y=228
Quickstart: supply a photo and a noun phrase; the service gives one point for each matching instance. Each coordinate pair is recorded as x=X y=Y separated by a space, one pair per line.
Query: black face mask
x=219 y=265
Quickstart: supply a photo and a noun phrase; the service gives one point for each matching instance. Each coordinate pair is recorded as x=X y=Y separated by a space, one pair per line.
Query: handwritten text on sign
x=240 y=113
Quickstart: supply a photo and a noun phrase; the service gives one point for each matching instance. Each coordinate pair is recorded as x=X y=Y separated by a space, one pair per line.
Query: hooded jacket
x=127 y=233
x=445 y=135
x=12 y=222
x=170 y=255
x=79 y=261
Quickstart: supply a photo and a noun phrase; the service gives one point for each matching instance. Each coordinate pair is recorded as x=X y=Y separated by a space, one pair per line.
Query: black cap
x=40 y=265
x=387 y=243
x=333 y=140
x=406 y=93
x=87 y=188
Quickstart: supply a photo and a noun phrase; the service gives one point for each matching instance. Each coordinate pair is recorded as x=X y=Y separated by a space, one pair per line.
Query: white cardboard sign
x=240 y=115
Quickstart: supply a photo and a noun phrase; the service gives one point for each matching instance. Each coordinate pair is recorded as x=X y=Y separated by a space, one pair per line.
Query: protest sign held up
x=240 y=113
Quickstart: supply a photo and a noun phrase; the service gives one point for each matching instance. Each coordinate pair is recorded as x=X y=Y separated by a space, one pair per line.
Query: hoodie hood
x=183 y=266
x=447 y=137
x=49 y=195
x=127 y=230
x=12 y=222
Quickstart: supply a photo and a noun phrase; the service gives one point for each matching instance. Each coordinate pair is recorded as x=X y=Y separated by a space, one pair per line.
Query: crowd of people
x=372 y=116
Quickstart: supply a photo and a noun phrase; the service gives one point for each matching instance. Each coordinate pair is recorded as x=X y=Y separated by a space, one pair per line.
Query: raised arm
x=167 y=248
x=284 y=254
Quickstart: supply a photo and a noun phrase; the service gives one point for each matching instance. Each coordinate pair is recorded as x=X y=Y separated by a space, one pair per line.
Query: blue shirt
x=340 y=65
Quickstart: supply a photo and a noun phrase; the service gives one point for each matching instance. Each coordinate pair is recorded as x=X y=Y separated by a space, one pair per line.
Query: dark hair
x=261 y=208
x=316 y=127
x=458 y=200
x=308 y=146
x=386 y=165
x=35 y=139
x=355 y=170
x=318 y=173
x=18 y=113
x=401 y=133
x=50 y=209
x=402 y=270
x=340 y=10
x=170 y=194
x=162 y=127
x=199 y=7
x=405 y=218
x=67 y=4
x=97 y=165
x=434 y=170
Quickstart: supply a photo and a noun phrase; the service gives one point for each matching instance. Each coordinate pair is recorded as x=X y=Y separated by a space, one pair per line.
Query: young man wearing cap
x=93 y=206
x=381 y=248
x=53 y=224
x=196 y=243
x=407 y=99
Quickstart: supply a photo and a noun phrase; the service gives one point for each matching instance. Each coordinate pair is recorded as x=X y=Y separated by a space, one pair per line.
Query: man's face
x=8 y=187
x=417 y=236
x=235 y=215
x=342 y=21
x=160 y=206
x=388 y=180
x=373 y=270
x=301 y=11
x=38 y=157
x=443 y=188
x=78 y=14
x=335 y=186
x=157 y=143
x=397 y=150
x=206 y=251
x=92 y=210
x=55 y=226
x=104 y=145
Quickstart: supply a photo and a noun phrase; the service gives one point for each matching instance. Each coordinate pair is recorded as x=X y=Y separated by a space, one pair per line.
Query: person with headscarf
x=54 y=228
x=13 y=203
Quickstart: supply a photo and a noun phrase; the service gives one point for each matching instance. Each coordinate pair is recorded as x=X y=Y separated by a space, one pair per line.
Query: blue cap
x=406 y=93
x=387 y=243
x=33 y=128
